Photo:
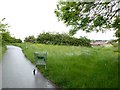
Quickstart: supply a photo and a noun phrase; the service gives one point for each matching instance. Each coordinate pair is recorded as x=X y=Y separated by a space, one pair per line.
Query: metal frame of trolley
x=40 y=59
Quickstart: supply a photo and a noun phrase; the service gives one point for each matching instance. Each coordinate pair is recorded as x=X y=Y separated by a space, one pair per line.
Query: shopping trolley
x=40 y=59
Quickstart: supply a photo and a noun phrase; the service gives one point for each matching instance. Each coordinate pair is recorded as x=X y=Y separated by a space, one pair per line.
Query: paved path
x=17 y=71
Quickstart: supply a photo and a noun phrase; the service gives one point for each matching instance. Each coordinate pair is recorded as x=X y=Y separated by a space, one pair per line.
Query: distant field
x=77 y=67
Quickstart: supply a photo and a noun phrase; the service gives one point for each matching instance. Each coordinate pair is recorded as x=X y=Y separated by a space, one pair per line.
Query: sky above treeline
x=32 y=17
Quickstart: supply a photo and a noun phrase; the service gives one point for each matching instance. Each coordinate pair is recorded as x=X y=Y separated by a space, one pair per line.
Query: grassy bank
x=2 y=51
x=2 y=48
x=81 y=67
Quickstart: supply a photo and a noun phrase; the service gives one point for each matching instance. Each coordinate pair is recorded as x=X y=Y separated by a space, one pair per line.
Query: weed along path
x=17 y=71
x=0 y=74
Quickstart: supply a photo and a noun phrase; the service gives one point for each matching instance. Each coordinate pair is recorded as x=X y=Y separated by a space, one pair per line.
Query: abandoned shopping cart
x=40 y=59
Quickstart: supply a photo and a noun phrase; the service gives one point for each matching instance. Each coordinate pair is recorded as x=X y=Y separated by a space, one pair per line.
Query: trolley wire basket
x=40 y=59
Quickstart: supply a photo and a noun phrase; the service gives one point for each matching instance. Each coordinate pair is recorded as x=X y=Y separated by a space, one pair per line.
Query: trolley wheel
x=34 y=71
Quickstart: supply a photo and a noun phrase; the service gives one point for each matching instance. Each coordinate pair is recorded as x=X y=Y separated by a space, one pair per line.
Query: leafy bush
x=7 y=38
x=31 y=39
x=62 y=39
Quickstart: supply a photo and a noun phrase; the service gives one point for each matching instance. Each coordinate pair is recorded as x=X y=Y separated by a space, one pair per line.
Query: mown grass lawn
x=77 y=67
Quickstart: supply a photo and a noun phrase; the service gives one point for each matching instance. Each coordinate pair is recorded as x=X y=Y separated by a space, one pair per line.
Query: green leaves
x=116 y=23
x=99 y=21
x=6 y=37
x=68 y=12
x=84 y=21
x=72 y=31
x=31 y=39
x=117 y=33
x=88 y=7
x=3 y=27
x=62 y=39
x=88 y=16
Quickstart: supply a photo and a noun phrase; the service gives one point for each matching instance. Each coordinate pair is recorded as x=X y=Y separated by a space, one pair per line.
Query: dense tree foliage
x=89 y=16
x=62 y=39
x=31 y=39
x=6 y=37
x=15 y=40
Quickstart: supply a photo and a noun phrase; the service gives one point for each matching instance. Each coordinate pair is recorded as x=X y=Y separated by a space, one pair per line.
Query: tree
x=5 y=34
x=31 y=39
x=3 y=27
x=89 y=16
x=6 y=38
x=18 y=40
x=62 y=39
x=15 y=40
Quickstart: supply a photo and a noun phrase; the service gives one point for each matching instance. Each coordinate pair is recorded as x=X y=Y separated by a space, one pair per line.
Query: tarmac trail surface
x=17 y=71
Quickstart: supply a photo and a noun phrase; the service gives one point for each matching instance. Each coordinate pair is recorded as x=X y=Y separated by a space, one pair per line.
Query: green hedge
x=62 y=39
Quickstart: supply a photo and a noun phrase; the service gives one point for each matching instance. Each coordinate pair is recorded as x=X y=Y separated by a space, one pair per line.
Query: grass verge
x=2 y=48
x=2 y=51
x=77 y=67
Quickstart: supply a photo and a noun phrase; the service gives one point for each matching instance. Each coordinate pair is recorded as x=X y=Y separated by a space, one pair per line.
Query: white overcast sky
x=31 y=17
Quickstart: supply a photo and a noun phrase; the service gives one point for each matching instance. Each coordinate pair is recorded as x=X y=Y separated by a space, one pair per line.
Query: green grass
x=77 y=67
x=2 y=51
x=2 y=48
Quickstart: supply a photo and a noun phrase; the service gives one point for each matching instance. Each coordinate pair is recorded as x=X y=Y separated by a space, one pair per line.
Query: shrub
x=62 y=39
